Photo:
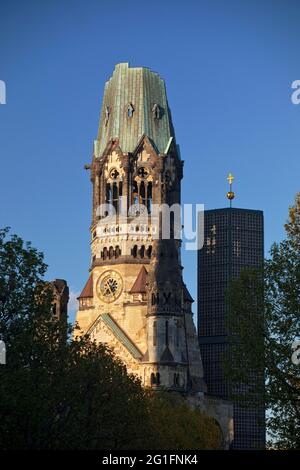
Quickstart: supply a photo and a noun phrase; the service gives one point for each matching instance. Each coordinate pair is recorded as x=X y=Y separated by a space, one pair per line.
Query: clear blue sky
x=228 y=67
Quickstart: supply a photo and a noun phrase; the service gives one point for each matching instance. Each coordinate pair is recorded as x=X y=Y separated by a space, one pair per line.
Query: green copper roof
x=142 y=89
x=121 y=336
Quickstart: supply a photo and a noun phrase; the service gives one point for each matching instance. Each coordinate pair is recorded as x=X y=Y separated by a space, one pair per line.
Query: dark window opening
x=172 y=225
x=149 y=197
x=108 y=194
x=134 y=251
x=155 y=298
x=135 y=193
x=143 y=193
x=176 y=380
x=115 y=196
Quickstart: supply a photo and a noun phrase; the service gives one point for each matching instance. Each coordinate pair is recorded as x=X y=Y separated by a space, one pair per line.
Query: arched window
x=117 y=251
x=176 y=380
x=142 y=193
x=108 y=194
x=130 y=110
x=149 y=197
x=172 y=225
x=149 y=251
x=115 y=196
x=134 y=251
x=155 y=298
x=105 y=253
x=111 y=252
x=135 y=193
x=142 y=251
x=156 y=111
x=152 y=379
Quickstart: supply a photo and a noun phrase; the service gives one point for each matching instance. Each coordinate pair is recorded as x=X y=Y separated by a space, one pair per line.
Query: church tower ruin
x=135 y=299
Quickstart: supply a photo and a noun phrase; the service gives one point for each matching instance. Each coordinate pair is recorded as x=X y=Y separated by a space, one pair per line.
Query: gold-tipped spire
x=230 y=194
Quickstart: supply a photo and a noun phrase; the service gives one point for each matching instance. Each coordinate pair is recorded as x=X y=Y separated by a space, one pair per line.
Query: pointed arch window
x=172 y=225
x=176 y=380
x=115 y=196
x=155 y=379
x=135 y=193
x=143 y=193
x=156 y=111
x=149 y=197
x=130 y=110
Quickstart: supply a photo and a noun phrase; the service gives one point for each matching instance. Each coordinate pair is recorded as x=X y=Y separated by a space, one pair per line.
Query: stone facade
x=135 y=299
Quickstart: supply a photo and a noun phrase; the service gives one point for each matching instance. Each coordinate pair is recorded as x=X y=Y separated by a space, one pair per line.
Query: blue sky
x=228 y=68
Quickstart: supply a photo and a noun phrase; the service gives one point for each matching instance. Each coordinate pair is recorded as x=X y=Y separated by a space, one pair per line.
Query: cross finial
x=230 y=178
x=230 y=194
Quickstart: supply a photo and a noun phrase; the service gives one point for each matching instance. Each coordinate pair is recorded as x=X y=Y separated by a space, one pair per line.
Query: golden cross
x=230 y=178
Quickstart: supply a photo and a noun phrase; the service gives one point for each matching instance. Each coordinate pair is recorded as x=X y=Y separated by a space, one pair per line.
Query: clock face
x=109 y=286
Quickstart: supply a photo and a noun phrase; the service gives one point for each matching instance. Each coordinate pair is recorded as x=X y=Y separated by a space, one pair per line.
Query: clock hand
x=110 y=288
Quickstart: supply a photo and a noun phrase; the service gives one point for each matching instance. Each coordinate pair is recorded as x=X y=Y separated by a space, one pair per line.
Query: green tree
x=57 y=392
x=267 y=304
x=179 y=427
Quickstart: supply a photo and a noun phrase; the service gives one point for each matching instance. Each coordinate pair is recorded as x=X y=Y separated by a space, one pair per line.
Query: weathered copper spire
x=134 y=104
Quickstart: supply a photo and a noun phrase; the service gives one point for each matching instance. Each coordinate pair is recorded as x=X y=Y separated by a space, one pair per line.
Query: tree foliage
x=277 y=320
x=62 y=392
x=180 y=427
